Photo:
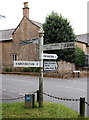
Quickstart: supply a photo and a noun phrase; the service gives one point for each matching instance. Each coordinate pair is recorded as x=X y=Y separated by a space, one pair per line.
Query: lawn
x=49 y=110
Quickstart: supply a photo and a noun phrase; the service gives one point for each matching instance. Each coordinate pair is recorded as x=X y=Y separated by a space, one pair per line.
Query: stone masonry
x=12 y=47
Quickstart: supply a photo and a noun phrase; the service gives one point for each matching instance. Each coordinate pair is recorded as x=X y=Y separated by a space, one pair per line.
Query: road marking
x=71 y=88
x=8 y=90
x=22 y=94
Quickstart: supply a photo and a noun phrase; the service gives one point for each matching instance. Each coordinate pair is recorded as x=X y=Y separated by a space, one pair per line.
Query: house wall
x=6 y=54
x=25 y=31
x=65 y=67
x=88 y=50
x=82 y=46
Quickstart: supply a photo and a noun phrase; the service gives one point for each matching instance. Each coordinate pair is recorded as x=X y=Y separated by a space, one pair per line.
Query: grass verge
x=49 y=110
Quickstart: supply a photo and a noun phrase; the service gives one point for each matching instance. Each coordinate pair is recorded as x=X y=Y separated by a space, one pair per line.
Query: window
x=14 y=57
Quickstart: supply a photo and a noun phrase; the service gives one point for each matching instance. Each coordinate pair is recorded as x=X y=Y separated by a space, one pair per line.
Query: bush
x=31 y=69
x=79 y=57
x=37 y=69
x=26 y=70
x=8 y=69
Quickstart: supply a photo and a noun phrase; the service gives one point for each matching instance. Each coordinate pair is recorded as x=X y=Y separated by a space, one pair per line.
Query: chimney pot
x=25 y=4
x=26 y=10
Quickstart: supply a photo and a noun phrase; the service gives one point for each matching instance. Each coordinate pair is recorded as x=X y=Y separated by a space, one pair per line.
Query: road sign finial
x=41 y=32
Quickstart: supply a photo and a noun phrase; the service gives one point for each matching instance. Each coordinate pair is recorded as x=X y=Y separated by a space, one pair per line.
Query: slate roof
x=37 y=23
x=6 y=34
x=84 y=38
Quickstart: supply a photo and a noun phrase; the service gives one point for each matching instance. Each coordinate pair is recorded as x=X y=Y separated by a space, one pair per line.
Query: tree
x=57 y=29
x=79 y=57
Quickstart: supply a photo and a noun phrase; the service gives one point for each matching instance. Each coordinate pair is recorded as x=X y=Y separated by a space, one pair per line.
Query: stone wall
x=26 y=30
x=81 y=46
x=6 y=53
x=64 y=67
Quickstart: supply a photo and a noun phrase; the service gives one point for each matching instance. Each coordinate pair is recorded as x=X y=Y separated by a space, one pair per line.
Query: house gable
x=25 y=22
x=26 y=30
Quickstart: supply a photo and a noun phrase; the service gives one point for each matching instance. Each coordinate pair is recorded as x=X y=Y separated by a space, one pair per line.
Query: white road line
x=22 y=94
x=8 y=90
x=72 y=88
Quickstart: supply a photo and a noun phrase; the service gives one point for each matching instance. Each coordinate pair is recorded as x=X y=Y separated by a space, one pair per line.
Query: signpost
x=31 y=41
x=57 y=46
x=41 y=34
x=50 y=65
x=26 y=63
x=49 y=56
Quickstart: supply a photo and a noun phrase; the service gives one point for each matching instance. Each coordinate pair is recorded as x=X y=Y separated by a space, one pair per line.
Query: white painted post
x=41 y=34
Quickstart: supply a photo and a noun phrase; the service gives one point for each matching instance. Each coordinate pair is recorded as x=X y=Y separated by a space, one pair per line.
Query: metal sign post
x=41 y=34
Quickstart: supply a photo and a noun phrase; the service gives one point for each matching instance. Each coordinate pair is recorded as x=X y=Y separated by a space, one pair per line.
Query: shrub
x=8 y=69
x=79 y=57
x=37 y=69
x=26 y=69
x=31 y=69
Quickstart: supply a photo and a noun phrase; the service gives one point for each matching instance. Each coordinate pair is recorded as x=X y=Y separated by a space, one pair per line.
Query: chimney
x=26 y=10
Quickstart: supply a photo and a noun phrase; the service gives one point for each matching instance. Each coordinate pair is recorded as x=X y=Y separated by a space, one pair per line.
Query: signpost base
x=29 y=100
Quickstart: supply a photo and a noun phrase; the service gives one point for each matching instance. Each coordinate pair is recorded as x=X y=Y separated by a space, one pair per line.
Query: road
x=14 y=86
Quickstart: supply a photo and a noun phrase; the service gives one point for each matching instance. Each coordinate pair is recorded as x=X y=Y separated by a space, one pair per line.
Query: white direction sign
x=49 y=56
x=50 y=65
x=26 y=63
x=57 y=46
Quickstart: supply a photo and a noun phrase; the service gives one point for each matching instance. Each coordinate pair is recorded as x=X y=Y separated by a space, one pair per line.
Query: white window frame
x=14 y=57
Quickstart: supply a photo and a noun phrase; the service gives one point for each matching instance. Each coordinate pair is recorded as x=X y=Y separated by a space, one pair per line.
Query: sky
x=74 y=10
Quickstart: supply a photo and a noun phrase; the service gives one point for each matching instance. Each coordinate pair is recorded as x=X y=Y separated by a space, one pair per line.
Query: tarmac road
x=14 y=86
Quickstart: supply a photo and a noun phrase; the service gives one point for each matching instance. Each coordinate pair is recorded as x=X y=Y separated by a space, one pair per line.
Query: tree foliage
x=79 y=57
x=57 y=29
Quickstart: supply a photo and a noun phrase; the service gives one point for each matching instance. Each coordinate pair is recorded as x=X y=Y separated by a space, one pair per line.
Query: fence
x=81 y=100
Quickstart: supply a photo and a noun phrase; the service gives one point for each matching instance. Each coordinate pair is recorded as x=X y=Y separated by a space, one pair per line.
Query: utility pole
x=41 y=34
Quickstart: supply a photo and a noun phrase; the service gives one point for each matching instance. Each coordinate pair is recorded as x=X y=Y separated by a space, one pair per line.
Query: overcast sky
x=74 y=10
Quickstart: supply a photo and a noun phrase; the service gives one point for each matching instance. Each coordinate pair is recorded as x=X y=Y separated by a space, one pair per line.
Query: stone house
x=83 y=43
x=14 y=42
x=21 y=43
